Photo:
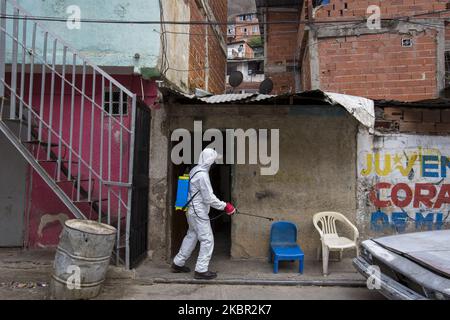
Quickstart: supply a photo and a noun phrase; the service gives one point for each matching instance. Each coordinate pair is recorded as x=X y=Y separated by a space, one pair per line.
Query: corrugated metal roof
x=225 y=98
x=360 y=108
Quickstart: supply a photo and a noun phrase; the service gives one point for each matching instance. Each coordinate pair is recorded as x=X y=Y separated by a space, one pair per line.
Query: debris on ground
x=23 y=285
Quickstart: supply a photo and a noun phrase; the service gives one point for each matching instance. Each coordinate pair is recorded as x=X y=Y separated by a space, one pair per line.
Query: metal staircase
x=76 y=123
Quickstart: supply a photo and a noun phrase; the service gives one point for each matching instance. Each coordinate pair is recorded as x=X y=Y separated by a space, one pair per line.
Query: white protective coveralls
x=198 y=214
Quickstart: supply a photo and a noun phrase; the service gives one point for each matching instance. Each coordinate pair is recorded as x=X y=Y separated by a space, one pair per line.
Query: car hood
x=429 y=249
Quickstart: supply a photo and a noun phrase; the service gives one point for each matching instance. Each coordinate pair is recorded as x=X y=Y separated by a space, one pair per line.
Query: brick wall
x=218 y=67
x=240 y=25
x=389 y=8
x=414 y=120
x=200 y=73
x=281 y=55
x=378 y=67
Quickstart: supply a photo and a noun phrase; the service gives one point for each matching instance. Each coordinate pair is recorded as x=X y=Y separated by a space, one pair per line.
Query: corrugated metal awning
x=361 y=108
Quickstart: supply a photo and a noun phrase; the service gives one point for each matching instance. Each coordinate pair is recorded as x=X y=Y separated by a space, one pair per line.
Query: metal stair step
x=55 y=161
x=75 y=180
x=23 y=122
x=42 y=143
x=86 y=200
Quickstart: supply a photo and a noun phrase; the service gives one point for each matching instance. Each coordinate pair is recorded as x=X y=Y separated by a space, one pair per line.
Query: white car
x=412 y=266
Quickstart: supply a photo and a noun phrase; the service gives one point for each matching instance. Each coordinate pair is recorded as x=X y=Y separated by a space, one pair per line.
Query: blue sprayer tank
x=182 y=192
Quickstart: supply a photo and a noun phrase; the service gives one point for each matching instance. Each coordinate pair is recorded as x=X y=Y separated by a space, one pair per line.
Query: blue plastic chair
x=283 y=244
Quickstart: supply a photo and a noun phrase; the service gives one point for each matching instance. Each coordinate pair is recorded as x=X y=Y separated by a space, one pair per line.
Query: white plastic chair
x=325 y=223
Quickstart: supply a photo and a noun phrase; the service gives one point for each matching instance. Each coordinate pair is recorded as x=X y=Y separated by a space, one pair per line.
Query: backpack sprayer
x=182 y=200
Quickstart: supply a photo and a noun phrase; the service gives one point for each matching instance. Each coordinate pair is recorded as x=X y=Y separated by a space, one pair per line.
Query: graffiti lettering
x=402 y=195
x=432 y=166
x=380 y=221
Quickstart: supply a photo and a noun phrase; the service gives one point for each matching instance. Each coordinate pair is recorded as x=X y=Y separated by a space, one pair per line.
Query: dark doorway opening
x=221 y=178
x=139 y=198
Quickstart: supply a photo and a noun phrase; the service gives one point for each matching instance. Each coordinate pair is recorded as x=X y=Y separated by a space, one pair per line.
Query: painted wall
x=317 y=172
x=105 y=44
x=240 y=50
x=403 y=183
x=177 y=43
x=244 y=68
x=47 y=212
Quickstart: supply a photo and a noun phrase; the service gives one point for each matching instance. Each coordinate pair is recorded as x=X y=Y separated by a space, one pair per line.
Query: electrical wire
x=277 y=22
x=163 y=39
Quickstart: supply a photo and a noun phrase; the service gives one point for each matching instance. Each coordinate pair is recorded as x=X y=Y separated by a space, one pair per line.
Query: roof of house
x=361 y=108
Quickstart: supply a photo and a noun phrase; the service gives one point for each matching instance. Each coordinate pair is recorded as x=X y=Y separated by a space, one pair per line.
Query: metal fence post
x=2 y=46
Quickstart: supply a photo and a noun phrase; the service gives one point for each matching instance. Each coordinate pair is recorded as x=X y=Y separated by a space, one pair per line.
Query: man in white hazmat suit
x=202 y=195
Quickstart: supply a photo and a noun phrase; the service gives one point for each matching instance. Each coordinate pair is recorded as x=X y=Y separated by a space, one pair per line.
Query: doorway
x=13 y=173
x=139 y=201
x=221 y=179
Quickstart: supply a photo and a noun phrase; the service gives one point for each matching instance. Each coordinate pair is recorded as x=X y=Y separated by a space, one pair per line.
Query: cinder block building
x=339 y=48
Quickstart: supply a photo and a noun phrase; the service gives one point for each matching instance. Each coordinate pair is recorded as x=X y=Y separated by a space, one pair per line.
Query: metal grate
x=58 y=97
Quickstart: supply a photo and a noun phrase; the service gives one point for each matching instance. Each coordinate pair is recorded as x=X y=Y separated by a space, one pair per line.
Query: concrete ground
x=26 y=275
x=257 y=272
x=236 y=292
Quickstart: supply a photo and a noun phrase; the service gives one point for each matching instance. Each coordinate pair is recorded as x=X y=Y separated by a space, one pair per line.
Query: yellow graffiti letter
x=366 y=172
x=387 y=165
x=411 y=162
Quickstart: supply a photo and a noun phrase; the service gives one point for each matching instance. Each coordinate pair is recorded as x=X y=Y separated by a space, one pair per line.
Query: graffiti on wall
x=408 y=184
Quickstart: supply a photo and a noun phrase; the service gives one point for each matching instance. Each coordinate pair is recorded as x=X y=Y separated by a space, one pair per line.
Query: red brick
x=217 y=59
x=412 y=116
x=425 y=127
x=443 y=127
x=408 y=126
x=393 y=114
x=445 y=116
x=431 y=115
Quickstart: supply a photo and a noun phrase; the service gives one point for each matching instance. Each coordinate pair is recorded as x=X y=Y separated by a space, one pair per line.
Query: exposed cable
x=281 y=22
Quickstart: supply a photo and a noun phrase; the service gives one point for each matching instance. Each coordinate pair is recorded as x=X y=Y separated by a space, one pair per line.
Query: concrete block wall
x=408 y=120
x=311 y=178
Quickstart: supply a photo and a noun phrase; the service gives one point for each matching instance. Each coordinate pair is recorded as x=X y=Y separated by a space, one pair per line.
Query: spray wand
x=253 y=215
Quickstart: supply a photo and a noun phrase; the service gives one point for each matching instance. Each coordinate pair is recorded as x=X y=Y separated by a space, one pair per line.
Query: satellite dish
x=236 y=78
x=266 y=86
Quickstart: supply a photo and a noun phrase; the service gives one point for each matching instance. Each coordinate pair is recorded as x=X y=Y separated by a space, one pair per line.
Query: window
x=255 y=29
x=244 y=31
x=407 y=42
x=255 y=67
x=241 y=18
x=116 y=103
x=231 y=68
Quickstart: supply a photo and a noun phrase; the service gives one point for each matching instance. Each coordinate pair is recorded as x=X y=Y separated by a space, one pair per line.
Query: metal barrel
x=82 y=259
